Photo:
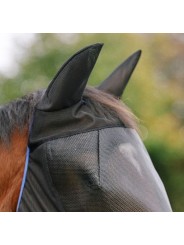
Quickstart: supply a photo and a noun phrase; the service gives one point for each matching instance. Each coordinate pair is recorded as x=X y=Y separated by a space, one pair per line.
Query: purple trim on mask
x=24 y=178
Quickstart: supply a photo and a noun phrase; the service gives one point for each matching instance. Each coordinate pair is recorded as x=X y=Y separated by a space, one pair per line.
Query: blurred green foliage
x=155 y=93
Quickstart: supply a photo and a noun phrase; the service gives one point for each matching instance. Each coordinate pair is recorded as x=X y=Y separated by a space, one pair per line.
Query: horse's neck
x=12 y=161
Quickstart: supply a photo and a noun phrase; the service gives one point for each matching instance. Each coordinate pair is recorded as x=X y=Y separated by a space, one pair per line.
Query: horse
x=72 y=147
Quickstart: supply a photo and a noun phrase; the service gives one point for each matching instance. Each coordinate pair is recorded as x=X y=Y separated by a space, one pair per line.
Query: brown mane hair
x=14 y=132
x=114 y=105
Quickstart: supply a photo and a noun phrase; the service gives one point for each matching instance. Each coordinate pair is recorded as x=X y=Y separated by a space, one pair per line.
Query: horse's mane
x=18 y=113
x=113 y=105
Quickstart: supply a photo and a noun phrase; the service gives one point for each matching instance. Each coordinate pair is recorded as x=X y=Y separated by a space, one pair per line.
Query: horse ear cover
x=115 y=84
x=68 y=85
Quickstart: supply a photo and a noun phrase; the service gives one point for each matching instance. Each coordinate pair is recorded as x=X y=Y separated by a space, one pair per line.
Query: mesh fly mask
x=84 y=158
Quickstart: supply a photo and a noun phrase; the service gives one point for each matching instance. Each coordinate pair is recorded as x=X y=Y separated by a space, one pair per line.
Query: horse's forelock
x=113 y=106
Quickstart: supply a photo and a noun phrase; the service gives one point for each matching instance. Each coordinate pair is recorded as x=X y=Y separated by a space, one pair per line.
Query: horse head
x=84 y=153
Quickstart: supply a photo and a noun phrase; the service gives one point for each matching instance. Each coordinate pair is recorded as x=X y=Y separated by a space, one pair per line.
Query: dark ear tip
x=97 y=46
x=94 y=48
x=135 y=57
x=138 y=53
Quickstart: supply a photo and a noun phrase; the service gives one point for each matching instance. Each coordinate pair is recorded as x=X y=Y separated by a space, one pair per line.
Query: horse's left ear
x=117 y=81
x=67 y=87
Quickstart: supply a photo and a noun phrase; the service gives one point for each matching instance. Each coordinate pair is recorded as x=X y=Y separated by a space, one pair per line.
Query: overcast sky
x=12 y=48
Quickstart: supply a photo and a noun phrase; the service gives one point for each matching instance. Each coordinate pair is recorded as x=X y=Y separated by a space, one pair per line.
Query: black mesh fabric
x=101 y=170
x=77 y=178
x=127 y=175
x=84 y=159
x=39 y=193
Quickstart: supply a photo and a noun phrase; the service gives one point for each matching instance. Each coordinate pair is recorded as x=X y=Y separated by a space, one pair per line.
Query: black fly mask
x=84 y=158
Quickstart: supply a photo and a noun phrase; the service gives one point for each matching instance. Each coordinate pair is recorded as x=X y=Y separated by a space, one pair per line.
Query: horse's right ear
x=115 y=84
x=67 y=87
